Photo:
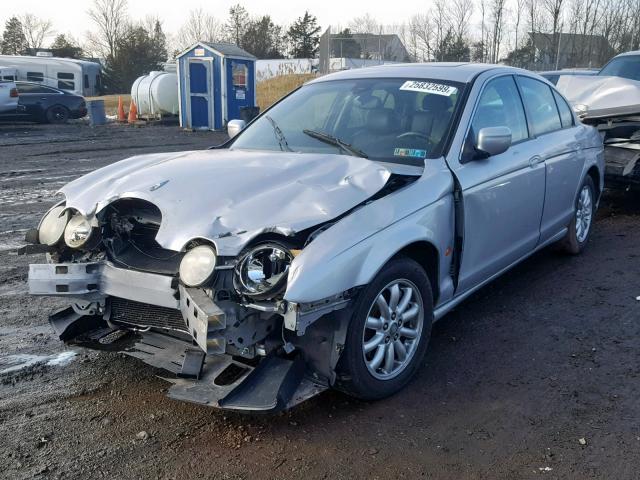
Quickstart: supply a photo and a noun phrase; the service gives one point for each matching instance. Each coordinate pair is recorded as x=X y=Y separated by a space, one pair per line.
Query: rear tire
x=387 y=339
x=580 y=227
x=57 y=114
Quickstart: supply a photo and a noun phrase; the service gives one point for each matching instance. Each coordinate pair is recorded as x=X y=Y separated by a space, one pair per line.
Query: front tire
x=389 y=332
x=580 y=227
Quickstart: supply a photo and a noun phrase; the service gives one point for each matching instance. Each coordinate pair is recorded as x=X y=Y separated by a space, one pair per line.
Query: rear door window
x=540 y=105
x=566 y=117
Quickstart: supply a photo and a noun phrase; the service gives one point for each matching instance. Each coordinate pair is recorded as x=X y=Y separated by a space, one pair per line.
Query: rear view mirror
x=234 y=127
x=493 y=141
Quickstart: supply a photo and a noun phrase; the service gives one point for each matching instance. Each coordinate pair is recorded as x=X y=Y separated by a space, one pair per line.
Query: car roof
x=37 y=84
x=633 y=52
x=451 y=71
x=570 y=71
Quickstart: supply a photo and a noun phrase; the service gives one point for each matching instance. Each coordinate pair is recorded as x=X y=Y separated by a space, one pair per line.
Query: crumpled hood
x=604 y=96
x=230 y=196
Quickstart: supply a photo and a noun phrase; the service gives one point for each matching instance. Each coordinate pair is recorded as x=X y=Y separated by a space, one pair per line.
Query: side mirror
x=234 y=127
x=493 y=141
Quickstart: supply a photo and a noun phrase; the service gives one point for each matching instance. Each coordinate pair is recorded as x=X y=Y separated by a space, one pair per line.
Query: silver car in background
x=316 y=248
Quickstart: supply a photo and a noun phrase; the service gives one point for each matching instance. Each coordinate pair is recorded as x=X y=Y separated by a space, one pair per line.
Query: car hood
x=605 y=97
x=231 y=196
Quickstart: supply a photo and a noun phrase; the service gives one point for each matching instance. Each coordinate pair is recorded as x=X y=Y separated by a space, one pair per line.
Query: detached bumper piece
x=622 y=167
x=275 y=384
x=95 y=281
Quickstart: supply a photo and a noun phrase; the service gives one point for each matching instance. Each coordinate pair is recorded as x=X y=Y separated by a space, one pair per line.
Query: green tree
x=66 y=47
x=137 y=53
x=345 y=46
x=237 y=24
x=453 y=49
x=522 y=57
x=263 y=38
x=303 y=36
x=13 y=42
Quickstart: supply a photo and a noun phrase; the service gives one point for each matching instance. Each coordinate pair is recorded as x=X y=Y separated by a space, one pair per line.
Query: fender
x=351 y=252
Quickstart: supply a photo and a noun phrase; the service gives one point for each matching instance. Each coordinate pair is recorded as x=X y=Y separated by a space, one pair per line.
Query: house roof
x=569 y=38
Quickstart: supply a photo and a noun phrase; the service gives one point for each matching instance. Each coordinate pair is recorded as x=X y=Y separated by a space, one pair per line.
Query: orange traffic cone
x=133 y=112
x=121 y=116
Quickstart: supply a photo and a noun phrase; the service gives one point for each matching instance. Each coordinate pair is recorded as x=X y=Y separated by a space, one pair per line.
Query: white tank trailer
x=156 y=94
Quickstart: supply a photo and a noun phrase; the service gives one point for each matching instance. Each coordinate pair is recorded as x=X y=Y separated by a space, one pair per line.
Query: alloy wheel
x=393 y=329
x=584 y=214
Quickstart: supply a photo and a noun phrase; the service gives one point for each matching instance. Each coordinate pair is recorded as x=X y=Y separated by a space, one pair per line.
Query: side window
x=35 y=77
x=566 y=117
x=65 y=81
x=500 y=106
x=86 y=81
x=26 y=88
x=541 y=106
x=239 y=74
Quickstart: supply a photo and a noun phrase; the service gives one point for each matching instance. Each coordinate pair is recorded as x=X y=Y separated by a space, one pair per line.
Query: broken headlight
x=78 y=231
x=52 y=225
x=262 y=272
x=197 y=265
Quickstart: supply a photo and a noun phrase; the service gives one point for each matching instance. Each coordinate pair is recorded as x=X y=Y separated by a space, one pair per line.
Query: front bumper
x=93 y=283
x=197 y=354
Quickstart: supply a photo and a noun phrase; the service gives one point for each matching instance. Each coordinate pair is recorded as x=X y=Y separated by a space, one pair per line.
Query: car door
x=502 y=195
x=557 y=142
x=34 y=99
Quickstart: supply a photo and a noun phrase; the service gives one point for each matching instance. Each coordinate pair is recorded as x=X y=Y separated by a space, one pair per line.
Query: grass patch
x=111 y=102
x=269 y=92
x=273 y=89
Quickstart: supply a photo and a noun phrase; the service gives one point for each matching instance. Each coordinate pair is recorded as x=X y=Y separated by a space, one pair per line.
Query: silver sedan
x=318 y=245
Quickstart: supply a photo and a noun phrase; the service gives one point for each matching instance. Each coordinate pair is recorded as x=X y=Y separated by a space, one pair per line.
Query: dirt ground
x=536 y=376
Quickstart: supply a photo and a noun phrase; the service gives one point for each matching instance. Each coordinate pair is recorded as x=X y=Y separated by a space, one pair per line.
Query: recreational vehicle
x=76 y=76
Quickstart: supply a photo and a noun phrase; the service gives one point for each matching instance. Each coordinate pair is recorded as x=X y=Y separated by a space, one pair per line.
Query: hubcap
x=584 y=212
x=393 y=329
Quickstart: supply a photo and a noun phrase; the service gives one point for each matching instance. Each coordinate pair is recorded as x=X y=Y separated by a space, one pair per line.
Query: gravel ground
x=535 y=376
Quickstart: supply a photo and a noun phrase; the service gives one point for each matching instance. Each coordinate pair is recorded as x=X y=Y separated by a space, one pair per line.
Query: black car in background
x=45 y=104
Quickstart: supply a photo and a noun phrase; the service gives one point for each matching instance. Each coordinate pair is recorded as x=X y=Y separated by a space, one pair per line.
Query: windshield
x=625 y=67
x=392 y=120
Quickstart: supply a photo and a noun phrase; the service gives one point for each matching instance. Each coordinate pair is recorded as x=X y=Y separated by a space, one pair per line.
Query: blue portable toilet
x=215 y=80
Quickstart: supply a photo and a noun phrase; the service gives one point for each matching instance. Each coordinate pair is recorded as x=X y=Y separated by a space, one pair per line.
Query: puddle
x=15 y=363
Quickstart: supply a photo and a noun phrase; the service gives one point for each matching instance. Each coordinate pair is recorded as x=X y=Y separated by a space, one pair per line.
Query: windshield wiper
x=336 y=142
x=282 y=141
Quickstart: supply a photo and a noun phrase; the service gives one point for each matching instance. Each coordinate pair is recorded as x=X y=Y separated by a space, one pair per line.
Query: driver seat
x=434 y=117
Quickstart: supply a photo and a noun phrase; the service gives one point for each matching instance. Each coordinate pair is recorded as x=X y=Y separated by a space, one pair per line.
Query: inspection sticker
x=428 y=87
x=409 y=152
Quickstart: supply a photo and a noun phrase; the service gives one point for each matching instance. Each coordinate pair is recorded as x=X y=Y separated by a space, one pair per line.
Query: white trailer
x=77 y=76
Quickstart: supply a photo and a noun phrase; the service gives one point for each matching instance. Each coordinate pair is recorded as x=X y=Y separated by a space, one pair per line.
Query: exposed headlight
x=78 y=231
x=581 y=109
x=197 y=265
x=52 y=226
x=262 y=272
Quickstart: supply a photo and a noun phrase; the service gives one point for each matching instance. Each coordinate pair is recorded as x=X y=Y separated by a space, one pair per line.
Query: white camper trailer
x=77 y=76
x=8 y=74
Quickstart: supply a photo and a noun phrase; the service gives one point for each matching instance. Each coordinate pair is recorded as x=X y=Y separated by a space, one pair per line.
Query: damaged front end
x=612 y=105
x=212 y=313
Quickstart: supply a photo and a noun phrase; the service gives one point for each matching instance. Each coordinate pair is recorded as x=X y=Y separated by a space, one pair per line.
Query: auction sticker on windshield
x=428 y=87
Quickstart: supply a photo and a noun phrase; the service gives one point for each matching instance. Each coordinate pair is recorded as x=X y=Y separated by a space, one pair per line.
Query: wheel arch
x=594 y=173
x=427 y=256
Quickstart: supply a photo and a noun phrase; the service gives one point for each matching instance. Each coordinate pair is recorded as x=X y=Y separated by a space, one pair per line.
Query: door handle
x=535 y=160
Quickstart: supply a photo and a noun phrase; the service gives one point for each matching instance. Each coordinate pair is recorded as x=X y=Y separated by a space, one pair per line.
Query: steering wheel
x=414 y=134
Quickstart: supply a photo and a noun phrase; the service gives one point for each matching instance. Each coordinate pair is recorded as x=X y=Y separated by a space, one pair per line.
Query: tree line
x=536 y=34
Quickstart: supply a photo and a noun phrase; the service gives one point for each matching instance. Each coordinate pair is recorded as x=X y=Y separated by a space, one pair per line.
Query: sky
x=69 y=16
